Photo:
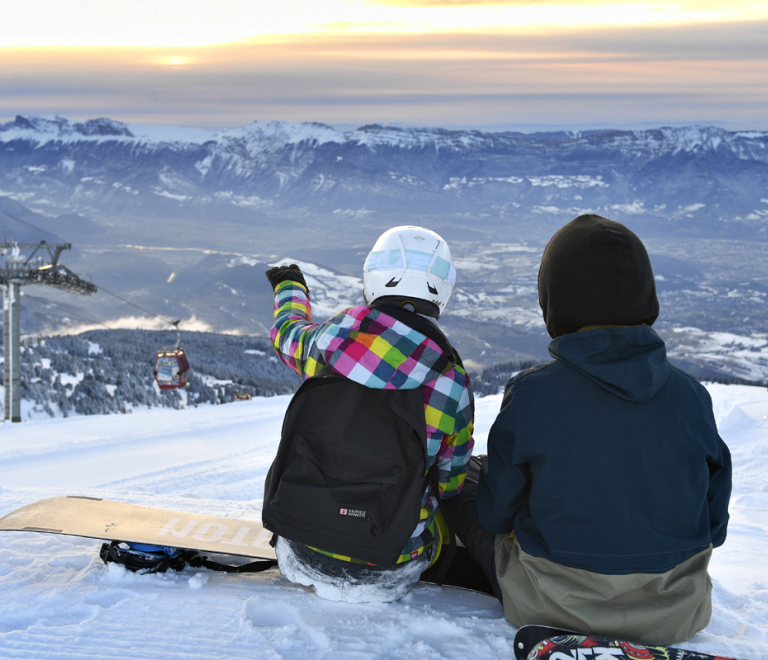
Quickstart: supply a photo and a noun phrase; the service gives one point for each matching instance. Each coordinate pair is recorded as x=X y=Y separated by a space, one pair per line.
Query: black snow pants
x=476 y=539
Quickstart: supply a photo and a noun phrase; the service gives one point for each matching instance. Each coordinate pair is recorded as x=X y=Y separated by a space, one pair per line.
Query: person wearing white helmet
x=410 y=267
x=390 y=342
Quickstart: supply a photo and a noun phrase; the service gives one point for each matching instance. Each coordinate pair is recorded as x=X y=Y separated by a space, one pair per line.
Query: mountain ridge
x=60 y=127
x=703 y=173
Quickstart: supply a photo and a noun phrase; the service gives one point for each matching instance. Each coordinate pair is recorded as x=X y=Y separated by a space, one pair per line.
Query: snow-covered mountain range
x=696 y=176
x=183 y=222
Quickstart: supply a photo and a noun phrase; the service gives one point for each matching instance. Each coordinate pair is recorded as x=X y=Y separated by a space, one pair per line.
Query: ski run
x=59 y=601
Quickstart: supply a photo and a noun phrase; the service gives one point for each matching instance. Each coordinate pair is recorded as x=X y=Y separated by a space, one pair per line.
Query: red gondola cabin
x=171 y=368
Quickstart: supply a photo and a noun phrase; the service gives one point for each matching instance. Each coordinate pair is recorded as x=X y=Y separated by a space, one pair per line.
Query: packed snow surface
x=58 y=600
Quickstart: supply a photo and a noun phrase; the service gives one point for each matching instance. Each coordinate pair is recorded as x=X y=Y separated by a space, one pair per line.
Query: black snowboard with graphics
x=546 y=643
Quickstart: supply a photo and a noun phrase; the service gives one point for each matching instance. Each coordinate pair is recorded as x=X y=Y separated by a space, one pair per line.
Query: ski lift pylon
x=171 y=365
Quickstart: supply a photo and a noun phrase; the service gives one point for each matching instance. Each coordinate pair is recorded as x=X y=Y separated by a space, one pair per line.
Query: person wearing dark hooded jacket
x=606 y=485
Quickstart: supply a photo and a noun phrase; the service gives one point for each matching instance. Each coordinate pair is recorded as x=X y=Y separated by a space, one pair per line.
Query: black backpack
x=350 y=470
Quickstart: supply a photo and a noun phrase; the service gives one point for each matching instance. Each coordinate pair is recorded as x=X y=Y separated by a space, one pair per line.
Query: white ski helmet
x=409 y=262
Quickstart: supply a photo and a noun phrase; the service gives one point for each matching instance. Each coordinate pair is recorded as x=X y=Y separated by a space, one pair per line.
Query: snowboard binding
x=143 y=558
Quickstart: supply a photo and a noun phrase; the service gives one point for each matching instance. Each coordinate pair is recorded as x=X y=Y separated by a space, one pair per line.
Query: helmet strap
x=414 y=305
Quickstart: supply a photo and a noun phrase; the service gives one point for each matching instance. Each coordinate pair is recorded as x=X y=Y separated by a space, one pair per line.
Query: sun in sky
x=219 y=63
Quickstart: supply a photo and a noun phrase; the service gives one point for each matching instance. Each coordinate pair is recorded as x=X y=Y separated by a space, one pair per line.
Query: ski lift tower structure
x=37 y=268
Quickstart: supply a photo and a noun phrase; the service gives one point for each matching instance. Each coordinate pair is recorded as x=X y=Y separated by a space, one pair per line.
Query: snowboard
x=545 y=643
x=119 y=521
x=109 y=520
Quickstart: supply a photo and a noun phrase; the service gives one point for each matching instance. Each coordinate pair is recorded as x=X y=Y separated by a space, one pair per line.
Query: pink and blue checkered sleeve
x=456 y=448
x=450 y=421
x=293 y=334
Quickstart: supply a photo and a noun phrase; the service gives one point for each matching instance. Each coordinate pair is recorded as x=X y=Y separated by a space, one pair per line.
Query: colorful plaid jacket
x=378 y=351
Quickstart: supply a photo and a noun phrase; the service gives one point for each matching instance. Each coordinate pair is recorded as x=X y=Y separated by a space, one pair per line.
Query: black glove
x=290 y=273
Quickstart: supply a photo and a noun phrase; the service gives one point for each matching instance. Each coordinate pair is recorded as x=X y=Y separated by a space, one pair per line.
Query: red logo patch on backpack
x=353 y=513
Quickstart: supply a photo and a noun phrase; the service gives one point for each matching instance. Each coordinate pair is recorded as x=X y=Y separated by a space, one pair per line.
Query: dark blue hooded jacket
x=607 y=458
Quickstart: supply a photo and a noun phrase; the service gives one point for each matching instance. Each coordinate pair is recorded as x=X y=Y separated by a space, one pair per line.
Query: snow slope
x=57 y=600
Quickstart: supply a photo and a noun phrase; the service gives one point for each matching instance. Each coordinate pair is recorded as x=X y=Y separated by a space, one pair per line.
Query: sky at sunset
x=517 y=64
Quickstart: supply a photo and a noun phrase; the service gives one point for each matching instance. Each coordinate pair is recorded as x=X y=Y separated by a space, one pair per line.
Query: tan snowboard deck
x=119 y=521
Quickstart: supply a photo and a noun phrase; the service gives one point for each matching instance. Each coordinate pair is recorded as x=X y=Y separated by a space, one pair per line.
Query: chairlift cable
x=175 y=324
x=71 y=313
x=146 y=311
x=172 y=323
x=179 y=356
x=171 y=368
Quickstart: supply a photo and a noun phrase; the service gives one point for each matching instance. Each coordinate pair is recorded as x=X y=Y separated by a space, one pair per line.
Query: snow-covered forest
x=110 y=371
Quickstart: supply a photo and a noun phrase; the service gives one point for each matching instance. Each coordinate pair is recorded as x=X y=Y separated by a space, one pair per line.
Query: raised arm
x=293 y=333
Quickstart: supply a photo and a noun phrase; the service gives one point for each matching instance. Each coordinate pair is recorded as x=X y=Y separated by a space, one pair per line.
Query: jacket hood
x=595 y=271
x=630 y=363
